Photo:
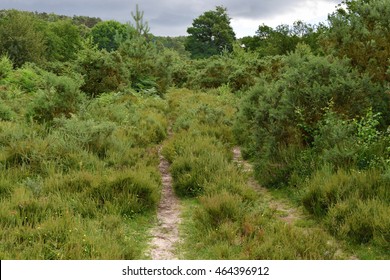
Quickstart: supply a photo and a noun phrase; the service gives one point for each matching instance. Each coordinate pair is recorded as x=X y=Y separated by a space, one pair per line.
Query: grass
x=84 y=186
x=225 y=218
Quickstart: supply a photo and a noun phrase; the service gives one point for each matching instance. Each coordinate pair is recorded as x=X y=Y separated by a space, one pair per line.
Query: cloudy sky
x=173 y=17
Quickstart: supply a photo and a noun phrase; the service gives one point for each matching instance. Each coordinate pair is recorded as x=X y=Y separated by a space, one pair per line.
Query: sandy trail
x=166 y=232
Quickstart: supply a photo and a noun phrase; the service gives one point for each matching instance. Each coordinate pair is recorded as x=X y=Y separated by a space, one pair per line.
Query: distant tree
x=90 y=22
x=210 y=34
x=63 y=40
x=105 y=34
x=141 y=26
x=283 y=39
x=173 y=43
x=20 y=38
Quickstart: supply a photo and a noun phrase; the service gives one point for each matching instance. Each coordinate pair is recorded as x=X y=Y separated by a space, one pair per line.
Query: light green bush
x=5 y=67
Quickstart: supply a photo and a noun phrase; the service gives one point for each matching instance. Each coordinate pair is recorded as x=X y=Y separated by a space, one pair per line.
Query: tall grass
x=81 y=183
x=225 y=217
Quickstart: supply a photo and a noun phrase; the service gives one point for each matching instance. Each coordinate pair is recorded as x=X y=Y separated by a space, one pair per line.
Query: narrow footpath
x=284 y=211
x=165 y=235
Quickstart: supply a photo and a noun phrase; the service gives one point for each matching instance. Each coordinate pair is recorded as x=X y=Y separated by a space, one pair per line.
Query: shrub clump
x=60 y=97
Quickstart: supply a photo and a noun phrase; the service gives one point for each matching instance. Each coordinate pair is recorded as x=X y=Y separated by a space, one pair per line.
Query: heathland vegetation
x=86 y=104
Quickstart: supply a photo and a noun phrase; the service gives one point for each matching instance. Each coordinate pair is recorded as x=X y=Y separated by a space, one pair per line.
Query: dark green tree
x=283 y=39
x=210 y=34
x=20 y=38
x=105 y=34
x=361 y=31
x=102 y=71
x=63 y=40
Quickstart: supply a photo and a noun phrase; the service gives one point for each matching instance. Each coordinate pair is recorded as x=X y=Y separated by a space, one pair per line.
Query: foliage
x=20 y=38
x=210 y=34
x=63 y=41
x=79 y=176
x=102 y=71
x=237 y=70
x=360 y=30
x=60 y=96
x=353 y=204
x=105 y=34
x=5 y=67
x=283 y=39
x=141 y=27
x=27 y=78
x=91 y=174
x=227 y=219
x=151 y=70
x=6 y=114
x=286 y=111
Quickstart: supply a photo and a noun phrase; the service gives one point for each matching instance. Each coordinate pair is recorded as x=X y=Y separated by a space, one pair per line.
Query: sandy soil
x=166 y=233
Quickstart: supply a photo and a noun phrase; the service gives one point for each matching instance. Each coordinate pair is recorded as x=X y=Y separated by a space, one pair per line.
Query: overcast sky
x=173 y=17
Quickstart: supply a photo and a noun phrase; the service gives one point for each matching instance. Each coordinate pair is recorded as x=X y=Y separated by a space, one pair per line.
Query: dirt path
x=166 y=232
x=283 y=210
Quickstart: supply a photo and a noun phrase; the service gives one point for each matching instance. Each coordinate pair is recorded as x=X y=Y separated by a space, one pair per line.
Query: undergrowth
x=225 y=217
x=79 y=176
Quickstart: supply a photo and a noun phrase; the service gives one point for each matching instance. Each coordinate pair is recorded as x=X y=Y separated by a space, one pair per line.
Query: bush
x=20 y=38
x=218 y=209
x=6 y=114
x=60 y=97
x=326 y=188
x=5 y=67
x=361 y=221
x=102 y=71
x=91 y=135
x=196 y=162
x=312 y=102
x=28 y=78
x=129 y=194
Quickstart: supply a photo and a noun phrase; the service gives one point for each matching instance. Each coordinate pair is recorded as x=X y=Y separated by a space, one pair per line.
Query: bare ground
x=166 y=233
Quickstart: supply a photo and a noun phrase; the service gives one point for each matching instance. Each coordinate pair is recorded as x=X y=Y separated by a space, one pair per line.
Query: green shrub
x=59 y=97
x=361 y=221
x=6 y=113
x=196 y=162
x=311 y=103
x=219 y=208
x=188 y=178
x=102 y=71
x=21 y=37
x=5 y=67
x=274 y=242
x=326 y=188
x=6 y=188
x=28 y=78
x=27 y=153
x=129 y=194
x=91 y=135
